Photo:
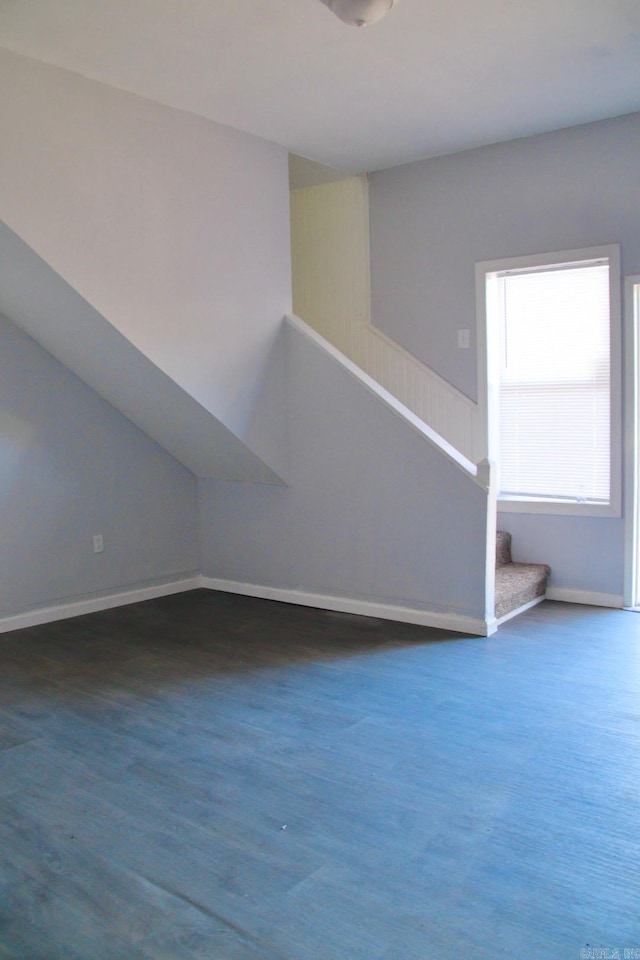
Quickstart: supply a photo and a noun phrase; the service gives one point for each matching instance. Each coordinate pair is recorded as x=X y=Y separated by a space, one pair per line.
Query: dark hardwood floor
x=214 y=777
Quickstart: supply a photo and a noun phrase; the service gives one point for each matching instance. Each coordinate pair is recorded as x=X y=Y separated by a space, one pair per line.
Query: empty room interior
x=320 y=550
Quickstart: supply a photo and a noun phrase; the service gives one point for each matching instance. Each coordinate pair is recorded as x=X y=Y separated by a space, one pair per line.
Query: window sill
x=558 y=507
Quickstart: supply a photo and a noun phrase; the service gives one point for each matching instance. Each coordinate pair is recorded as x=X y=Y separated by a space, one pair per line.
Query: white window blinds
x=555 y=382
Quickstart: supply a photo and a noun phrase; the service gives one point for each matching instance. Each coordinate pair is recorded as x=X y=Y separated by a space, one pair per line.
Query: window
x=557 y=411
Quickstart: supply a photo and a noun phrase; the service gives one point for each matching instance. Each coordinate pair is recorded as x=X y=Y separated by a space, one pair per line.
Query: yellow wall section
x=330 y=253
x=332 y=293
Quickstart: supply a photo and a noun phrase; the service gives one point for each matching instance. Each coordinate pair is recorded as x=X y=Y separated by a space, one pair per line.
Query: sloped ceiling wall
x=163 y=240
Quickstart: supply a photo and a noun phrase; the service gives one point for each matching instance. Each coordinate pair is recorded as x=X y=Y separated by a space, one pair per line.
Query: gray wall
x=432 y=221
x=584 y=554
x=71 y=466
x=373 y=511
x=174 y=229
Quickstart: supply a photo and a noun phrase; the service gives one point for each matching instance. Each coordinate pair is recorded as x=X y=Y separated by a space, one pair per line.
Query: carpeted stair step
x=517 y=584
x=503 y=548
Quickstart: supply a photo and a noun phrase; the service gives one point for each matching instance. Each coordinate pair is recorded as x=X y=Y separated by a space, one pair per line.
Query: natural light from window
x=555 y=383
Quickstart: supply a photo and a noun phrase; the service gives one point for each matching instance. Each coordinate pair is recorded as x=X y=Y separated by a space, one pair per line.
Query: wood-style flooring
x=211 y=777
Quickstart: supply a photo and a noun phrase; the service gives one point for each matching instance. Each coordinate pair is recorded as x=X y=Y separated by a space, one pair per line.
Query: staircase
x=518 y=585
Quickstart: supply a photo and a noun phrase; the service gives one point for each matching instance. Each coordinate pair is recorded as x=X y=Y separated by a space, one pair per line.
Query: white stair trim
x=519 y=610
x=451 y=413
x=434 y=438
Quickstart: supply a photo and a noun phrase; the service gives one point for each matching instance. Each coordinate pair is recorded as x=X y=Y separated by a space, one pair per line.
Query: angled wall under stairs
x=377 y=519
x=148 y=250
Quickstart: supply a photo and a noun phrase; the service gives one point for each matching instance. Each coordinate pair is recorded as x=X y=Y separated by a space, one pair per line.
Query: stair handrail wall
x=332 y=291
x=450 y=412
x=481 y=473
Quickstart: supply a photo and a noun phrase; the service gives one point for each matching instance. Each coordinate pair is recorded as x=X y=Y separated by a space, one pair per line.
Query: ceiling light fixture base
x=359 y=13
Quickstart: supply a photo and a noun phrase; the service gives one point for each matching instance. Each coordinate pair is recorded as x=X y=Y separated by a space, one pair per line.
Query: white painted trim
x=458 y=623
x=630 y=434
x=565 y=508
x=434 y=400
x=485 y=443
x=77 y=608
x=488 y=373
x=487 y=469
x=367 y=608
x=588 y=597
x=519 y=610
x=428 y=371
x=387 y=398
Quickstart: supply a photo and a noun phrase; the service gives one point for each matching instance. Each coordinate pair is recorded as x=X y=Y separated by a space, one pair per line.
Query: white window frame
x=489 y=373
x=632 y=453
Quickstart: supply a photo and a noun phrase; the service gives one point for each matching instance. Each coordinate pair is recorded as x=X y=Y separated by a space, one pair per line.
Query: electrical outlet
x=464 y=339
x=98 y=543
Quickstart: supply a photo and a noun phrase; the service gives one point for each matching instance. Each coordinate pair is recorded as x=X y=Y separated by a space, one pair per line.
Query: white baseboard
x=76 y=608
x=519 y=610
x=589 y=597
x=367 y=608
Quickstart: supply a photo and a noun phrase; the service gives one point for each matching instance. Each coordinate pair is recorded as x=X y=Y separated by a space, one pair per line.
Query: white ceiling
x=434 y=77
